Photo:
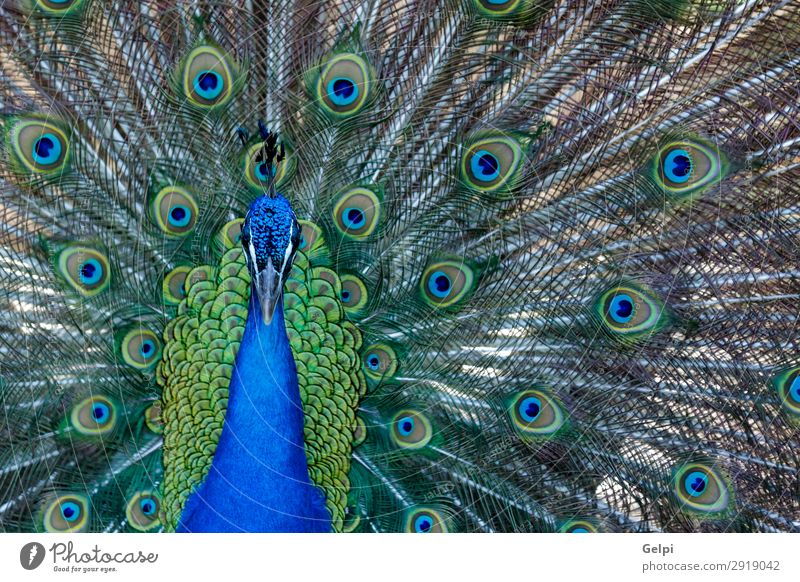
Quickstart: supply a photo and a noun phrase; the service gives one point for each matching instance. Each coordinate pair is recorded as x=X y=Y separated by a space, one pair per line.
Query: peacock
x=400 y=265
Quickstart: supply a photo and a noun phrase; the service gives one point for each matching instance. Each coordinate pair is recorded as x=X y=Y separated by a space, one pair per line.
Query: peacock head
x=270 y=237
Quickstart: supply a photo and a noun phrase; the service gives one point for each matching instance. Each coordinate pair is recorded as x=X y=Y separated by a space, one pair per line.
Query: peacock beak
x=268 y=287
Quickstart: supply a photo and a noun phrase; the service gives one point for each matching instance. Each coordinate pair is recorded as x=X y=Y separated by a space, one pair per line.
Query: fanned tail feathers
x=548 y=277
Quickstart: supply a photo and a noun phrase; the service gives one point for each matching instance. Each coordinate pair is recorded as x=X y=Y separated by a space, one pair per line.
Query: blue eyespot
x=147 y=348
x=485 y=166
x=354 y=218
x=423 y=524
x=345 y=295
x=208 y=85
x=794 y=390
x=405 y=425
x=180 y=215
x=100 y=412
x=579 y=530
x=70 y=511
x=622 y=307
x=342 y=91
x=91 y=271
x=439 y=284
x=530 y=408
x=302 y=242
x=263 y=173
x=678 y=166
x=695 y=483
x=373 y=362
x=147 y=506
x=46 y=149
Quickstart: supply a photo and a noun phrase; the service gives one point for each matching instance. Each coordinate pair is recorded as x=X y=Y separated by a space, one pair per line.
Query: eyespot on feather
x=85 y=269
x=628 y=312
x=310 y=236
x=174 y=211
x=343 y=85
x=142 y=511
x=354 y=295
x=208 y=77
x=380 y=361
x=94 y=416
x=446 y=283
x=38 y=146
x=66 y=513
x=60 y=8
x=578 y=526
x=360 y=432
x=140 y=348
x=699 y=488
x=153 y=419
x=787 y=387
x=256 y=172
x=410 y=429
x=491 y=162
x=173 y=290
x=357 y=212
x=230 y=235
x=425 y=520
x=535 y=414
x=687 y=167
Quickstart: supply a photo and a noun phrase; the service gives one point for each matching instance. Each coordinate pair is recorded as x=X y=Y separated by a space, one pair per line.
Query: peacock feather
x=399 y=265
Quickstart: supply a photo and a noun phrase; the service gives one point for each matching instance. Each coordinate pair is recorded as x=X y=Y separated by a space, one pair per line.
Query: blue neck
x=258 y=481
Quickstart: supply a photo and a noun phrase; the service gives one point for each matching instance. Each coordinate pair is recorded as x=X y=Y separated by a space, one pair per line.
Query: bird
x=399 y=266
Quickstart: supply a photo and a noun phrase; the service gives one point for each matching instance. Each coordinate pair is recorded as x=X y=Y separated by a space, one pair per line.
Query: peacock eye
x=342 y=91
x=344 y=85
x=140 y=348
x=92 y=416
x=410 y=429
x=152 y=418
x=688 y=166
x=578 y=526
x=628 y=312
x=357 y=212
x=535 y=414
x=174 y=211
x=173 y=288
x=257 y=172
x=446 y=283
x=208 y=77
x=85 y=269
x=491 y=162
x=66 y=513
x=360 y=431
x=39 y=146
x=425 y=520
x=90 y=271
x=142 y=511
x=310 y=236
x=621 y=308
x=57 y=7
x=405 y=426
x=700 y=488
x=787 y=385
x=354 y=294
x=380 y=361
x=485 y=166
x=500 y=9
